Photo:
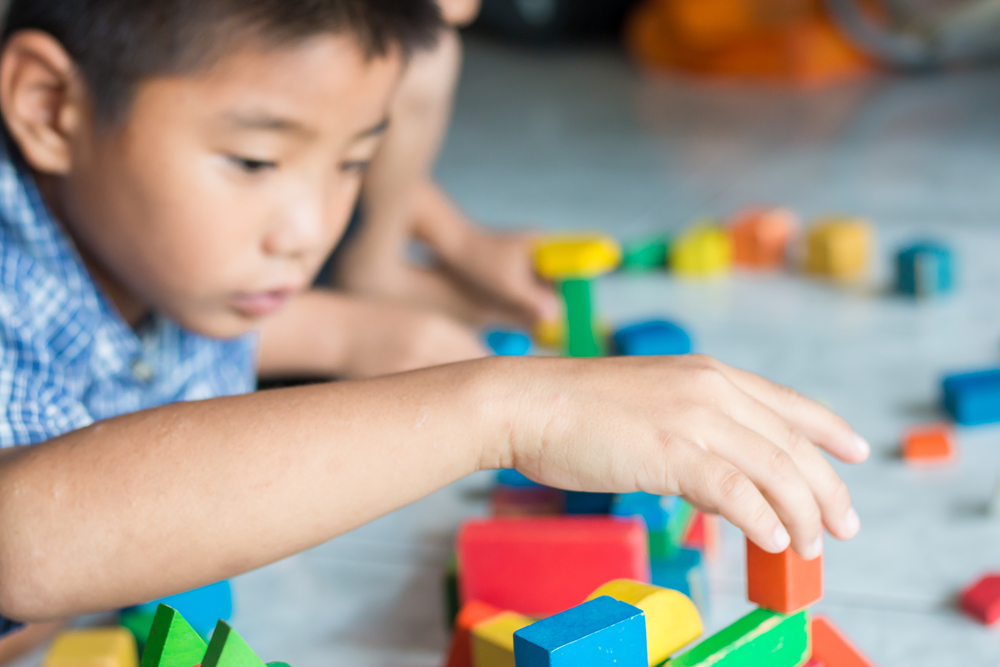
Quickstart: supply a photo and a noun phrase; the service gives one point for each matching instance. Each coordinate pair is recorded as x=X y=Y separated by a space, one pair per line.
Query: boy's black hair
x=119 y=43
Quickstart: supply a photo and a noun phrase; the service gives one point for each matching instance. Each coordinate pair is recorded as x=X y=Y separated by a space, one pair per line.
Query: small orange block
x=840 y=248
x=783 y=582
x=761 y=236
x=832 y=649
x=929 y=445
x=472 y=614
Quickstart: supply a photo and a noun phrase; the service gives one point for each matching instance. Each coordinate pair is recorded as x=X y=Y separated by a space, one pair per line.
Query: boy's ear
x=43 y=99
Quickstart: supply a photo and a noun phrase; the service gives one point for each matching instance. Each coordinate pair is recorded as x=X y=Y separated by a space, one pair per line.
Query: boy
x=176 y=172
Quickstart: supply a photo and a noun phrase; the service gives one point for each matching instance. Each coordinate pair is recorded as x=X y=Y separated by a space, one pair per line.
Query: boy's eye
x=252 y=166
x=355 y=166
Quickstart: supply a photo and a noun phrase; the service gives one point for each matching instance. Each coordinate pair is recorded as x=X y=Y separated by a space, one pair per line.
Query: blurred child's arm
x=324 y=334
x=459 y=12
x=148 y=504
x=27 y=639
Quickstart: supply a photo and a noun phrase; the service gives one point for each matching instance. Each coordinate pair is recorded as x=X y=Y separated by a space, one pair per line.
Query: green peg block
x=227 y=649
x=581 y=340
x=762 y=637
x=172 y=641
x=646 y=254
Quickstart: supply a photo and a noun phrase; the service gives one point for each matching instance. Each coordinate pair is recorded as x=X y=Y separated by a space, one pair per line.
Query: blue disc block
x=203 y=607
x=585 y=502
x=973 y=399
x=601 y=633
x=508 y=343
x=653 y=338
x=924 y=269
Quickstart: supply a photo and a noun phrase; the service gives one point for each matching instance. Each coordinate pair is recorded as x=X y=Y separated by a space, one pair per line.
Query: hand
x=726 y=440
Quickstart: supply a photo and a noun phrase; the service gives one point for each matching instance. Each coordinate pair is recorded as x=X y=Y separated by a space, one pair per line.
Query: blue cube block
x=924 y=269
x=685 y=573
x=509 y=477
x=601 y=633
x=584 y=502
x=203 y=607
x=656 y=511
x=656 y=337
x=508 y=343
x=973 y=398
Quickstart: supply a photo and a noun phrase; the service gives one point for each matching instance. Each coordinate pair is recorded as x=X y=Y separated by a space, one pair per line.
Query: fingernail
x=781 y=539
x=852 y=522
x=864 y=449
x=815 y=549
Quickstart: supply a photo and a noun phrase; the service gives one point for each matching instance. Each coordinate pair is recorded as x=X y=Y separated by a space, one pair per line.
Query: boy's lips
x=259 y=304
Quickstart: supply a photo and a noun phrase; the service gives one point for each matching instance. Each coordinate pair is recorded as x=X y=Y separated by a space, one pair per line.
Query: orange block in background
x=929 y=445
x=783 y=582
x=761 y=236
x=472 y=614
x=832 y=649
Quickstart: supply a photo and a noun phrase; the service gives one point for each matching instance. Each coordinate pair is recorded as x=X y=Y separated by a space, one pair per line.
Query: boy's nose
x=300 y=231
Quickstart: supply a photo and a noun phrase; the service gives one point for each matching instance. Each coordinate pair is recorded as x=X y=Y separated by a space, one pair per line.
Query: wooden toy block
x=761 y=236
x=227 y=649
x=656 y=337
x=839 y=248
x=830 y=648
x=506 y=343
x=138 y=623
x=929 y=445
x=603 y=632
x=982 y=599
x=526 y=501
x=813 y=662
x=646 y=254
x=472 y=614
x=493 y=640
x=583 y=256
x=761 y=637
x=542 y=566
x=684 y=573
x=783 y=582
x=98 y=647
x=924 y=270
x=202 y=608
x=672 y=620
x=973 y=399
x=702 y=251
x=667 y=519
x=512 y=478
x=704 y=534
x=581 y=338
x=172 y=641
x=584 y=502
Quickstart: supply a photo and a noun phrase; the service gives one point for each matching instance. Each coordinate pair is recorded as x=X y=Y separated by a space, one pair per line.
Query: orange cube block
x=929 y=445
x=832 y=649
x=472 y=614
x=761 y=236
x=783 y=582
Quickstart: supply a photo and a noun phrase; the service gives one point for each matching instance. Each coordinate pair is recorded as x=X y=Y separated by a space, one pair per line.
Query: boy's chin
x=224 y=324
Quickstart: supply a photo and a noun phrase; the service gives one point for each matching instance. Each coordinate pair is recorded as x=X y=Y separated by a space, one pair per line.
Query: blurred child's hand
x=726 y=440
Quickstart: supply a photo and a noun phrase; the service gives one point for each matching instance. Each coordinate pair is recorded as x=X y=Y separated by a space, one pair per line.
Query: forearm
x=165 y=500
x=310 y=337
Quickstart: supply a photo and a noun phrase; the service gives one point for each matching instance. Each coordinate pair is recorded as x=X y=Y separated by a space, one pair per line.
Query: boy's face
x=222 y=193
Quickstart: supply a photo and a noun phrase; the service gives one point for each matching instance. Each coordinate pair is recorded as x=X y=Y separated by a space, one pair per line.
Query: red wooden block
x=982 y=599
x=813 y=662
x=472 y=614
x=783 y=582
x=542 y=566
x=832 y=649
x=530 y=501
x=928 y=445
x=704 y=535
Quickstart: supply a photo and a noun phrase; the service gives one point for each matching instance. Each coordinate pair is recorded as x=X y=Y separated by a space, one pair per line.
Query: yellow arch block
x=98 y=647
x=672 y=620
x=493 y=640
x=704 y=250
x=581 y=256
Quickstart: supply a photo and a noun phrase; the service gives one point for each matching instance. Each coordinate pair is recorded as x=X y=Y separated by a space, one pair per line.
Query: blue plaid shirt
x=67 y=358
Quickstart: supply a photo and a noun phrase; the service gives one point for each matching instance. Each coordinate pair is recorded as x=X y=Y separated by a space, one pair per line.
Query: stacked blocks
x=645 y=254
x=973 y=399
x=704 y=250
x=493 y=640
x=505 y=343
x=762 y=637
x=542 y=566
x=830 y=648
x=839 y=248
x=227 y=649
x=603 y=632
x=202 y=608
x=656 y=337
x=99 y=647
x=672 y=620
x=982 y=599
x=924 y=270
x=783 y=582
x=929 y=445
x=761 y=236
x=474 y=613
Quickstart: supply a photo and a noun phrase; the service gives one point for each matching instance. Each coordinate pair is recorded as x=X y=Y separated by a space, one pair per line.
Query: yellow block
x=493 y=641
x=552 y=334
x=99 y=647
x=672 y=620
x=583 y=256
x=839 y=248
x=704 y=250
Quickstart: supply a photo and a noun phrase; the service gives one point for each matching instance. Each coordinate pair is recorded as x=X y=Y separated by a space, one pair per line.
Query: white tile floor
x=583 y=140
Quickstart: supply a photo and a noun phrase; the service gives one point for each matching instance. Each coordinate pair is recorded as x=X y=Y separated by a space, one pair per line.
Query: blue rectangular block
x=684 y=573
x=657 y=337
x=924 y=269
x=601 y=633
x=973 y=398
x=583 y=502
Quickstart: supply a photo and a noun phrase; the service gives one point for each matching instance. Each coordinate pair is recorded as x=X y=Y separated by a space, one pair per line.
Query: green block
x=580 y=338
x=646 y=254
x=172 y=641
x=139 y=624
x=664 y=544
x=451 y=602
x=278 y=664
x=227 y=649
x=762 y=637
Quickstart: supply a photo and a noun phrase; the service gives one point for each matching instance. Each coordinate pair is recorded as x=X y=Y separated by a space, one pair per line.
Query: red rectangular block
x=783 y=582
x=542 y=566
x=982 y=599
x=704 y=534
x=832 y=649
x=472 y=614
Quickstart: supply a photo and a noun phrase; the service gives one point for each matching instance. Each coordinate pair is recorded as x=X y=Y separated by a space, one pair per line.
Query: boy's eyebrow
x=374 y=130
x=269 y=123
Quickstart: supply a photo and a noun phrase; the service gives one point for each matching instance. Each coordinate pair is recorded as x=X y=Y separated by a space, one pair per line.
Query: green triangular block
x=172 y=642
x=227 y=649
